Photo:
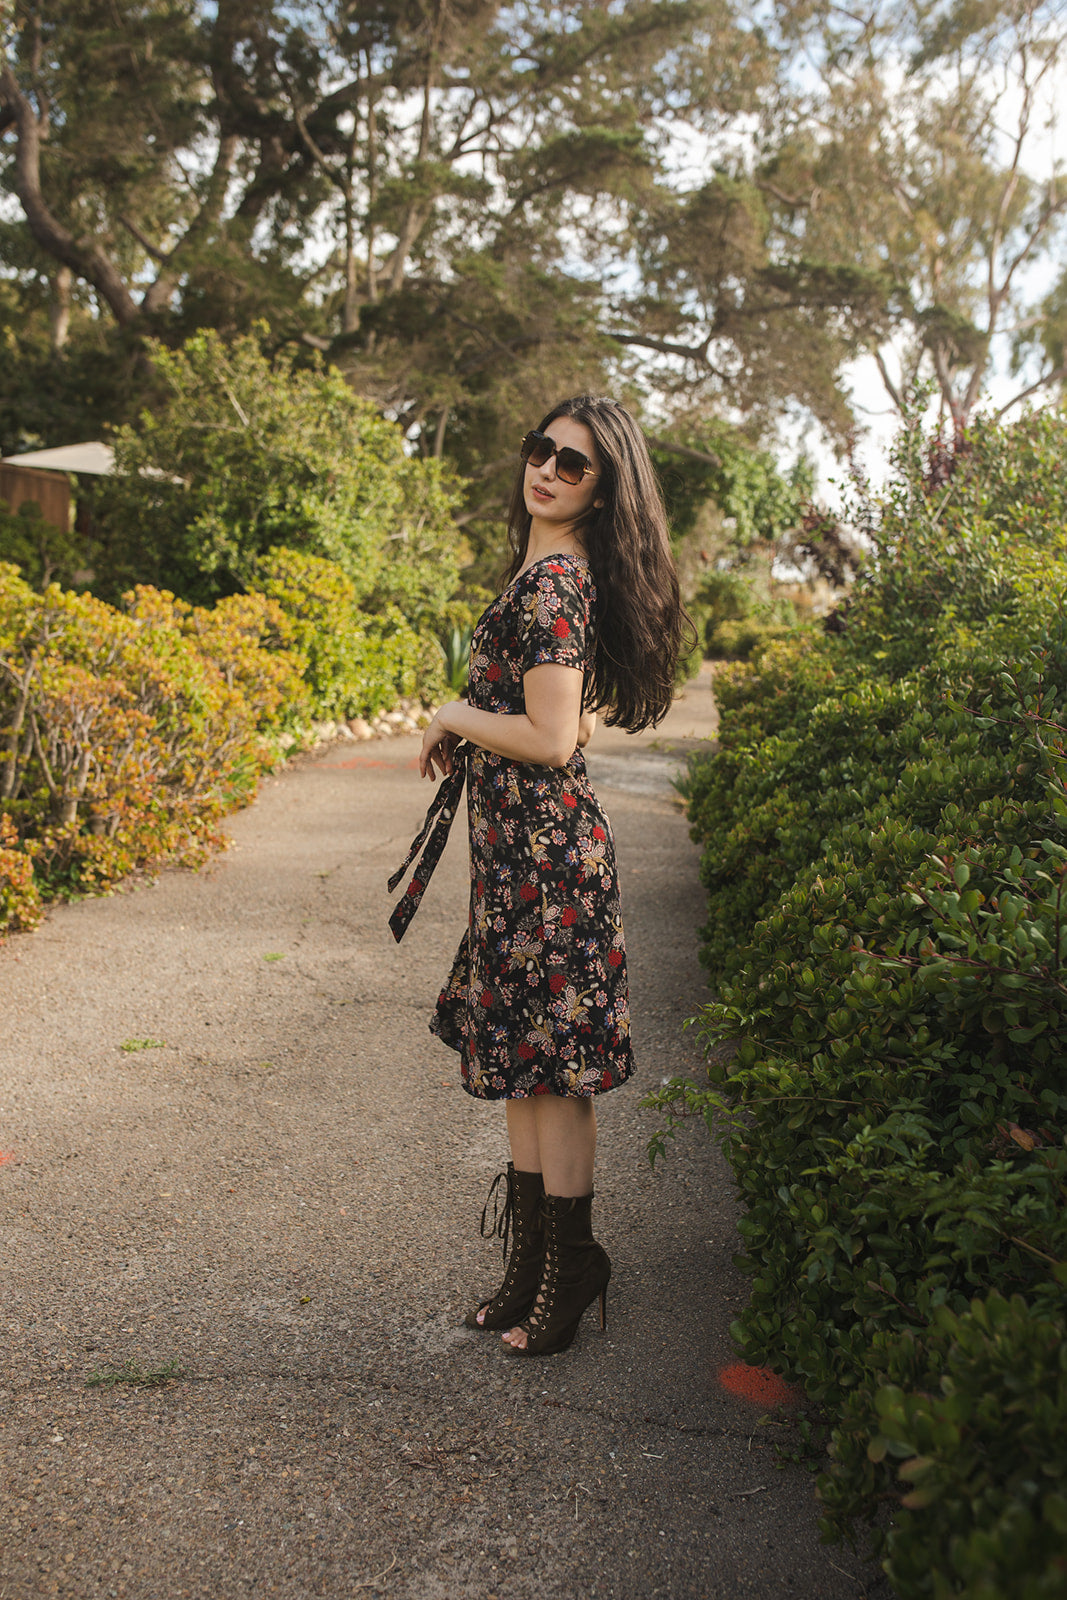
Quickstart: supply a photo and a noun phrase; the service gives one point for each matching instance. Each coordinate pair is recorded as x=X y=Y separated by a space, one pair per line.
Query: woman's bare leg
x=522 y=1135
x=566 y=1138
x=565 y=1130
x=556 y=1136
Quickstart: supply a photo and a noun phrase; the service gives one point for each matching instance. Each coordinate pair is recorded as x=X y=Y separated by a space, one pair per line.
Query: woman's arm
x=546 y=734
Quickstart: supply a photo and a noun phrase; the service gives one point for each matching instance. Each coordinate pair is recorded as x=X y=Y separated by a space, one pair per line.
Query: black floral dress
x=537 y=1001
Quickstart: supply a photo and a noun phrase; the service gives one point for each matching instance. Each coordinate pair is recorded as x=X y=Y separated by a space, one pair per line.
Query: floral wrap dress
x=537 y=999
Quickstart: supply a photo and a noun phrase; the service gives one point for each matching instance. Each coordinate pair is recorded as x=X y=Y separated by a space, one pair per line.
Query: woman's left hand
x=437 y=747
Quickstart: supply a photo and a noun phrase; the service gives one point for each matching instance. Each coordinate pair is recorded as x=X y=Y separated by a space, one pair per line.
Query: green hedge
x=744 y=638
x=885 y=845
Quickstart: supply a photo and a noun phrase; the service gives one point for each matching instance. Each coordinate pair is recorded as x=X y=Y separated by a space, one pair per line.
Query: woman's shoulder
x=547 y=570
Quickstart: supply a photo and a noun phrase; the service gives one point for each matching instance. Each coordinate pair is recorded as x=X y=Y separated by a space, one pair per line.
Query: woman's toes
x=480 y=1317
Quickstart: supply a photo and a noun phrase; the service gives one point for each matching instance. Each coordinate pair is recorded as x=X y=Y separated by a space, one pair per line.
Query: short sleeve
x=555 y=618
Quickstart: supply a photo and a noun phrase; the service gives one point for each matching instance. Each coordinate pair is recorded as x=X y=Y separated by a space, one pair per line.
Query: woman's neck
x=550 y=539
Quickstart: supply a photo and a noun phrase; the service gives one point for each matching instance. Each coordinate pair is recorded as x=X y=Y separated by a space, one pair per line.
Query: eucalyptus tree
x=921 y=160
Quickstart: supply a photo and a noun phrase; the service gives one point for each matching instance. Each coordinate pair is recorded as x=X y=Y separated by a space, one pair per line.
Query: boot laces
x=546 y=1294
x=503 y=1212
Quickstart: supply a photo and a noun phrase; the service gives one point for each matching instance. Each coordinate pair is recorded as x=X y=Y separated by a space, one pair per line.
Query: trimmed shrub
x=356 y=664
x=742 y=638
x=125 y=743
x=127 y=734
x=885 y=836
x=965 y=1432
x=20 y=900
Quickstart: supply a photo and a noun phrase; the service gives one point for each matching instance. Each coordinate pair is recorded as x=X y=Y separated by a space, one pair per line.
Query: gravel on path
x=238 y=1156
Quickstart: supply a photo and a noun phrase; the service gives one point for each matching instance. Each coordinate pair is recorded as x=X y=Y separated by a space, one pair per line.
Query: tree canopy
x=470 y=208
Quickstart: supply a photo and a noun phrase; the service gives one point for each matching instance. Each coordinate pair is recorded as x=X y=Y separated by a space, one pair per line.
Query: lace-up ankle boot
x=521 y=1219
x=576 y=1271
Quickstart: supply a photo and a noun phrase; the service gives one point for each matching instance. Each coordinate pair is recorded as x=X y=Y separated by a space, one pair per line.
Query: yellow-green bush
x=247 y=448
x=744 y=638
x=125 y=742
x=127 y=733
x=20 y=900
x=356 y=663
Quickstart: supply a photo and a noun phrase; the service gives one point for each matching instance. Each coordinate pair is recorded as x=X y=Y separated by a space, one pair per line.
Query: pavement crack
x=698 y=1430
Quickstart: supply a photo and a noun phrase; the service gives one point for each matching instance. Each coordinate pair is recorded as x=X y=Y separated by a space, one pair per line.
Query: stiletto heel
x=576 y=1272
x=604 y=1309
x=521 y=1217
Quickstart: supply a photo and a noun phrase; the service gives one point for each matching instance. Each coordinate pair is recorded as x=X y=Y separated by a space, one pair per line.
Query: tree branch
x=314 y=149
x=891 y=388
x=665 y=347
x=142 y=239
x=83 y=257
x=795 y=202
x=705 y=457
x=1054 y=376
x=944 y=383
x=160 y=292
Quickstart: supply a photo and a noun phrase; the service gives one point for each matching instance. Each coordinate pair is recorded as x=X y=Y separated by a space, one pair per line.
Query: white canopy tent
x=93 y=457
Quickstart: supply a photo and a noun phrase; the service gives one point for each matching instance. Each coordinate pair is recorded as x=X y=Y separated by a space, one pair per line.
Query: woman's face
x=548 y=498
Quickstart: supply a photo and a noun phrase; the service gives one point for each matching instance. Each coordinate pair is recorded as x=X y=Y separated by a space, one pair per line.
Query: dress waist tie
x=433 y=835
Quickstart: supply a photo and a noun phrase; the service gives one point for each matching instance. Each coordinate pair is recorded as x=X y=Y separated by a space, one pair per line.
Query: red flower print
x=561 y=628
x=542 y=1088
x=598 y=832
x=414 y=886
x=493 y=673
x=556 y=982
x=491 y=835
x=554 y=568
x=487 y=999
x=569 y=800
x=526 y=1052
x=528 y=892
x=605 y=1080
x=615 y=958
x=569 y=917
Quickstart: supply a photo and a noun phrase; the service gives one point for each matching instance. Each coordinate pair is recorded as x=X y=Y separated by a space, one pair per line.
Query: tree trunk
x=81 y=257
x=350 y=313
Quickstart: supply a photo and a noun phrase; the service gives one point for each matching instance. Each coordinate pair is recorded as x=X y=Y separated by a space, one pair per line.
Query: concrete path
x=235 y=1150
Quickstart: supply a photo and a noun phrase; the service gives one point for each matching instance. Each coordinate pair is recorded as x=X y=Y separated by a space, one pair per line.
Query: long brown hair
x=640 y=621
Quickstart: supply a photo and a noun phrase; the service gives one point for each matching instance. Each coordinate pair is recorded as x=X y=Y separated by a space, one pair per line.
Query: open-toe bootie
x=576 y=1271
x=518 y=1221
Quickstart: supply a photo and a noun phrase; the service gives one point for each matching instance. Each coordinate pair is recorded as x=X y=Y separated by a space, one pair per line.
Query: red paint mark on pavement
x=3 y=1158
x=758 y=1384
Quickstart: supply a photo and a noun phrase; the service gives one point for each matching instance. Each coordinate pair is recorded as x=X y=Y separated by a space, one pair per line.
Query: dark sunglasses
x=571 y=466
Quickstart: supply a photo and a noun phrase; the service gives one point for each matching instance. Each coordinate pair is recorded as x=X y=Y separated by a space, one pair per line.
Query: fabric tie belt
x=433 y=835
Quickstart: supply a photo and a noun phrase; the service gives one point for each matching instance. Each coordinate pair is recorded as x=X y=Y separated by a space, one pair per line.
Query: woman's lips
x=542 y=494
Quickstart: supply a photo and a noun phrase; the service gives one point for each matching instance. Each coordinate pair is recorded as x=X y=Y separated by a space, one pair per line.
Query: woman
x=536 y=1003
